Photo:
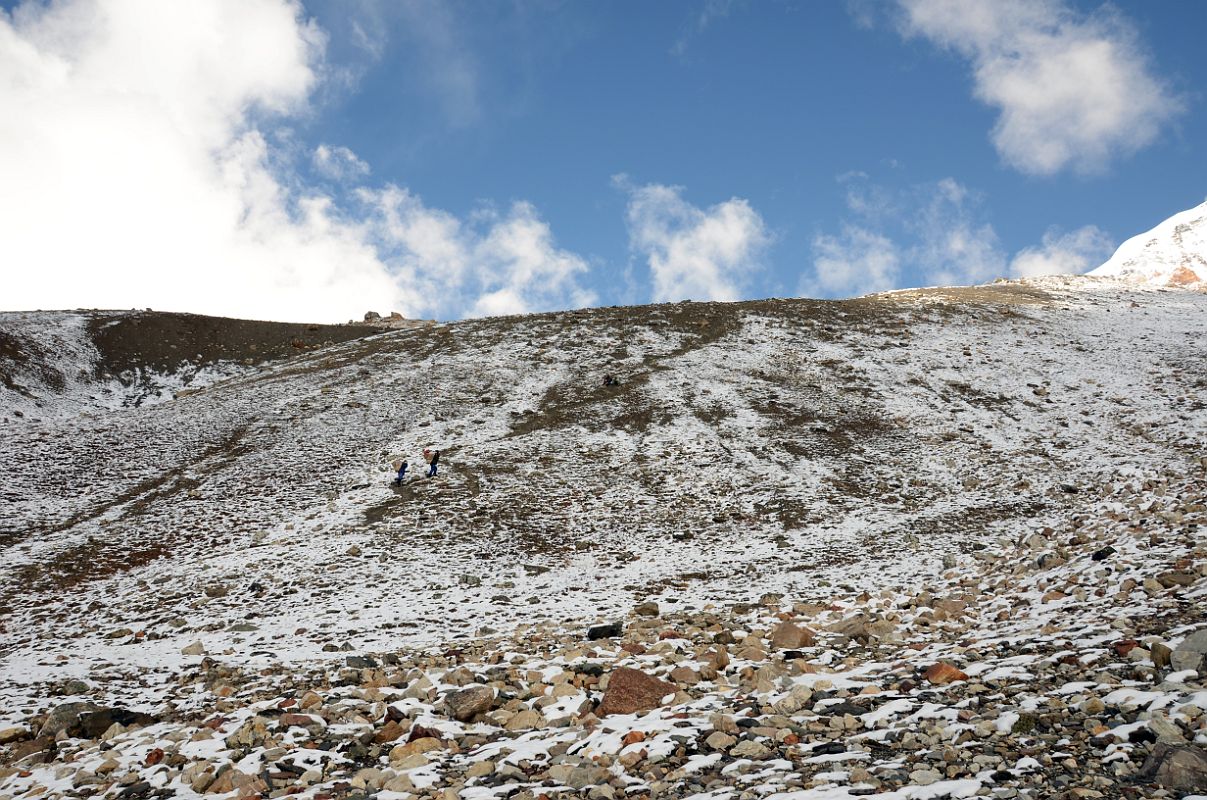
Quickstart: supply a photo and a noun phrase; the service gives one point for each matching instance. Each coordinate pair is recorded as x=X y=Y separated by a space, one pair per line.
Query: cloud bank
x=693 y=253
x=1072 y=90
x=856 y=261
x=148 y=162
x=489 y=265
x=1070 y=253
x=937 y=230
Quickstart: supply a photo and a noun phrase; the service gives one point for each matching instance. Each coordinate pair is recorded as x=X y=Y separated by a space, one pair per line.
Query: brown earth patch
x=161 y=341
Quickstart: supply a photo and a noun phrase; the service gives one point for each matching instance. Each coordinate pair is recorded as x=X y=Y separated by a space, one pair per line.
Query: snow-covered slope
x=1173 y=253
x=1008 y=480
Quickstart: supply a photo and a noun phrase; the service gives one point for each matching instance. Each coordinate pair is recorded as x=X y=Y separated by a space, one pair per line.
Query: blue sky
x=458 y=159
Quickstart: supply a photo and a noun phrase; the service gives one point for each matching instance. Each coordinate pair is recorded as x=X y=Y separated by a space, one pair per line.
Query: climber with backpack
x=432 y=457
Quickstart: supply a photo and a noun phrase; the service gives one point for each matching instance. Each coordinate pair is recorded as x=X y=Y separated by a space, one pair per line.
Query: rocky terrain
x=935 y=543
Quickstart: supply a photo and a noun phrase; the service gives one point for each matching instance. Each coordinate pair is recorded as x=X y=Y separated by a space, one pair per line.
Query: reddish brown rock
x=789 y=636
x=1184 y=276
x=631 y=690
x=22 y=750
x=1125 y=646
x=943 y=673
x=390 y=732
x=298 y=720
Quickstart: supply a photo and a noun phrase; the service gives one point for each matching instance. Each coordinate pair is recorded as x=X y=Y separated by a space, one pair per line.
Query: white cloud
x=525 y=269
x=338 y=163
x=935 y=233
x=952 y=246
x=136 y=145
x=491 y=264
x=948 y=243
x=693 y=253
x=856 y=262
x=1073 y=90
x=1072 y=253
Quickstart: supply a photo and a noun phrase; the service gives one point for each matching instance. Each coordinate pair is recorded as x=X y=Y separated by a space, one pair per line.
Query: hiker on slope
x=401 y=468
x=432 y=457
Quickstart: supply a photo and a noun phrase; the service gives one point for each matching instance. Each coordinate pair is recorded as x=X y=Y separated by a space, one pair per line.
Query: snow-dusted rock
x=1174 y=253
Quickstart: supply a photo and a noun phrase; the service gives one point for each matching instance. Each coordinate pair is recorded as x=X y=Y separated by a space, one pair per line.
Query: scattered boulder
x=1177 y=577
x=1161 y=655
x=93 y=724
x=65 y=717
x=1180 y=768
x=749 y=748
x=646 y=609
x=789 y=636
x=465 y=704
x=10 y=735
x=248 y=735
x=1189 y=654
x=631 y=690
x=525 y=720
x=943 y=673
x=610 y=631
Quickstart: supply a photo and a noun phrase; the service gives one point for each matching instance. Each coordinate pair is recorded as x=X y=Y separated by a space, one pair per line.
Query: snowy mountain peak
x=1173 y=253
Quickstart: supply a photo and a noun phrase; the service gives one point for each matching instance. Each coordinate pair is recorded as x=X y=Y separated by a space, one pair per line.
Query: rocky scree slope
x=931 y=543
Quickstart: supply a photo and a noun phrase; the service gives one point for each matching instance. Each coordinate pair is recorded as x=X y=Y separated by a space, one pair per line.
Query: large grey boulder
x=465 y=704
x=1180 y=768
x=1189 y=654
x=65 y=717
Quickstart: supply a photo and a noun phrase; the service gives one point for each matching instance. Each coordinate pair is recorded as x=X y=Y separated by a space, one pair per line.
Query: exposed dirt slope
x=65 y=363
